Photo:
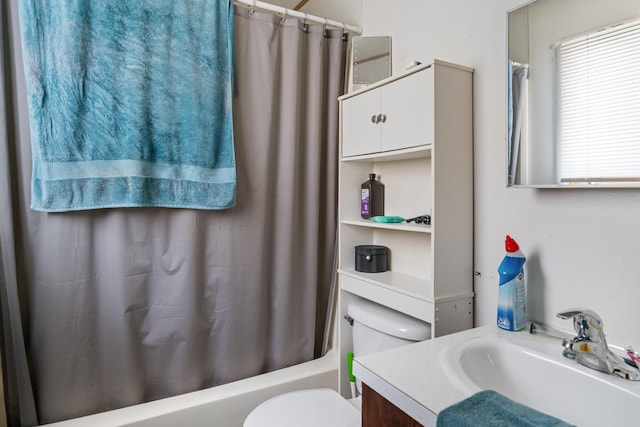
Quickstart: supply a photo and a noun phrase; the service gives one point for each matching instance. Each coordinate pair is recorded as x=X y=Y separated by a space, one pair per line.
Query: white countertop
x=424 y=378
x=412 y=378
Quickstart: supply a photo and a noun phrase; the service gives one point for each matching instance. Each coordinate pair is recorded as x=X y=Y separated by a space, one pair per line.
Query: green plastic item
x=350 y=367
x=387 y=219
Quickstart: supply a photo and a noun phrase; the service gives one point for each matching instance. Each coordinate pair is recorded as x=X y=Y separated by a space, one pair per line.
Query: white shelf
x=412 y=286
x=413 y=70
x=401 y=292
x=431 y=276
x=400 y=226
x=418 y=152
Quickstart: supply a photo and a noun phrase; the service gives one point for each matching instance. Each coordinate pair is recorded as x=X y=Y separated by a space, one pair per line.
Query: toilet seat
x=310 y=408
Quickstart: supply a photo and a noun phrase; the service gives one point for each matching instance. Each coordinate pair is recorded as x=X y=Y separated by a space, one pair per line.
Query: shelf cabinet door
x=360 y=132
x=391 y=117
x=408 y=107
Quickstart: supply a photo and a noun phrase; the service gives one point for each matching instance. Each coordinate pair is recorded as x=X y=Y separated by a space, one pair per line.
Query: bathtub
x=221 y=406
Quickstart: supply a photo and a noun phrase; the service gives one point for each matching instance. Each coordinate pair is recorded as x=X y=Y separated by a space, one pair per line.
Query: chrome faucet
x=589 y=346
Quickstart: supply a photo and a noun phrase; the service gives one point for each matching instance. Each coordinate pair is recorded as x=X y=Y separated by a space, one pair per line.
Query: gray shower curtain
x=108 y=308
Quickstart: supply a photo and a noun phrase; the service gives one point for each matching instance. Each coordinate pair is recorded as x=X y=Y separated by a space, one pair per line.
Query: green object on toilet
x=350 y=367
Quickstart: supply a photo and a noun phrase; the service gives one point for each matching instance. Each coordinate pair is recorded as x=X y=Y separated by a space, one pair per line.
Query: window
x=599 y=106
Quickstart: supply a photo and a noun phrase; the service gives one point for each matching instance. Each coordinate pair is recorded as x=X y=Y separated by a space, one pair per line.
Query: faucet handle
x=586 y=322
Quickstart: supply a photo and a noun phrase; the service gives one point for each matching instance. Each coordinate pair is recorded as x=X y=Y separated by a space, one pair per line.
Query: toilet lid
x=310 y=408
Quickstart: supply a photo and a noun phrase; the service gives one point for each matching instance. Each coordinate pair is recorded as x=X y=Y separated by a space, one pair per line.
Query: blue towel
x=130 y=103
x=490 y=409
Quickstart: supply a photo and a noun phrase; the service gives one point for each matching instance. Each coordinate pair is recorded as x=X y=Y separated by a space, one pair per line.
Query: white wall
x=583 y=246
x=345 y=11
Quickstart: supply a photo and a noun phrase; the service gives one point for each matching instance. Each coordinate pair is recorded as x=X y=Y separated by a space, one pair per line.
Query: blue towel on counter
x=130 y=103
x=491 y=409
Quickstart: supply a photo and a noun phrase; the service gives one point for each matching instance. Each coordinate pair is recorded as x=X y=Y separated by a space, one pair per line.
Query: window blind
x=599 y=105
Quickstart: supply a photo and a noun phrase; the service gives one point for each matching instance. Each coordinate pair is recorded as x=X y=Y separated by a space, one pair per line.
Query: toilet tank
x=377 y=328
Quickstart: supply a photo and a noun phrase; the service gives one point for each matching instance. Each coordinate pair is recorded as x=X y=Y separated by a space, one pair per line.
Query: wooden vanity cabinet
x=379 y=412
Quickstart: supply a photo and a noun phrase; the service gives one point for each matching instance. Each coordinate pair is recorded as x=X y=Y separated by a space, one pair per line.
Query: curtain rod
x=297 y=14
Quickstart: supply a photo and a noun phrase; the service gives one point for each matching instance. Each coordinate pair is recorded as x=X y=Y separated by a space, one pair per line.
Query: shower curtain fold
x=123 y=306
x=19 y=398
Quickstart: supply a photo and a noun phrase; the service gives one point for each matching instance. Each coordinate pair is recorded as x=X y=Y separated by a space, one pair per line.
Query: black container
x=372 y=258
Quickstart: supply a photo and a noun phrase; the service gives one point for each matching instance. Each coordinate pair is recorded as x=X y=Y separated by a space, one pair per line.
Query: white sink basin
x=530 y=369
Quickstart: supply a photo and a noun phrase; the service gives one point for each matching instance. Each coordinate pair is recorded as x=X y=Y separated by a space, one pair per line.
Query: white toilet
x=375 y=328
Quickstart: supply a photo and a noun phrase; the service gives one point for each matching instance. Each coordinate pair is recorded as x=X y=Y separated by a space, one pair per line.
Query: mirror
x=537 y=32
x=371 y=59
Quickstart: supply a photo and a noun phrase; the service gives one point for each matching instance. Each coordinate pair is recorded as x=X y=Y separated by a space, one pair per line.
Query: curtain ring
x=326 y=24
x=345 y=32
x=283 y=17
x=252 y=9
x=305 y=26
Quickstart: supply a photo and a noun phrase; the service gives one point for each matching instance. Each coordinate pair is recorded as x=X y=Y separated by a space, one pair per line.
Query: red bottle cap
x=511 y=245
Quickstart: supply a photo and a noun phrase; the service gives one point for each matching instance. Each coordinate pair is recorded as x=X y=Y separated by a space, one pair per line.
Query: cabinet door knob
x=380 y=118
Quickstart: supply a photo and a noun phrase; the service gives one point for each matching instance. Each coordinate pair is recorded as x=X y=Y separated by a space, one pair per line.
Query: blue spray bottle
x=511 y=293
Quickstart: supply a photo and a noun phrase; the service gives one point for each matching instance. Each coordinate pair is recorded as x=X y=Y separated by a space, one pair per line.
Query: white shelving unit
x=414 y=131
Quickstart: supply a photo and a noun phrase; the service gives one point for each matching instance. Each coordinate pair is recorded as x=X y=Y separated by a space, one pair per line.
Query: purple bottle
x=372 y=198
